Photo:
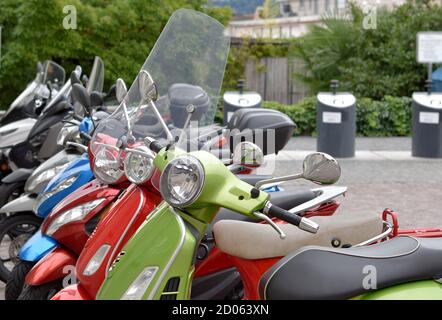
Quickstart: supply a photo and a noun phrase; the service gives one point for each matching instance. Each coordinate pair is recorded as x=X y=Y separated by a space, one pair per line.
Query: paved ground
x=383 y=174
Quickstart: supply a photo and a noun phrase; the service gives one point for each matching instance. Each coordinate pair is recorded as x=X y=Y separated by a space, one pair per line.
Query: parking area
x=383 y=174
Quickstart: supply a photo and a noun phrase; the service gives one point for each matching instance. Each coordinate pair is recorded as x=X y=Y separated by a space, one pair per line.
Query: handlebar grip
x=156 y=147
x=302 y=223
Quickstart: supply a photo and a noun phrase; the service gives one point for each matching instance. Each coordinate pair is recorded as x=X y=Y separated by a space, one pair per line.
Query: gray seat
x=325 y=273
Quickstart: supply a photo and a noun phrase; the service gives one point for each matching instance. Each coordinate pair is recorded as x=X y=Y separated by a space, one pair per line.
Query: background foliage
x=369 y=62
x=390 y=116
x=120 y=32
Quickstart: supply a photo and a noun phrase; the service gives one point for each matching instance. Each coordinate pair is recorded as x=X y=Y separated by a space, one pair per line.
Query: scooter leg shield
x=23 y=204
x=58 y=264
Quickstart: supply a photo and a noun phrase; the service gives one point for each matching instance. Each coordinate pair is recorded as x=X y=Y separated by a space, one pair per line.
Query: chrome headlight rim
x=103 y=176
x=165 y=186
x=148 y=156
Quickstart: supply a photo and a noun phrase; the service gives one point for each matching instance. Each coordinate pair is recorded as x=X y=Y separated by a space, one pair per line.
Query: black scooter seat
x=315 y=272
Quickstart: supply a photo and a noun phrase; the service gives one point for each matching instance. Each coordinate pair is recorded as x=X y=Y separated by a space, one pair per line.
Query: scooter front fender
x=72 y=292
x=22 y=204
x=37 y=247
x=52 y=267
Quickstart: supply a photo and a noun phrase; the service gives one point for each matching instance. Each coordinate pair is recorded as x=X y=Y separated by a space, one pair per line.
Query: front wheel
x=14 y=286
x=9 y=192
x=14 y=232
x=43 y=292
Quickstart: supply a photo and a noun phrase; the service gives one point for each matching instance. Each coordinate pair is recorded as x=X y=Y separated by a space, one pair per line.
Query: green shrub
x=390 y=116
x=369 y=62
x=121 y=32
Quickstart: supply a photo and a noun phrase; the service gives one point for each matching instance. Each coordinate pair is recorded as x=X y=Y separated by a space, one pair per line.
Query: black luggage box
x=182 y=95
x=269 y=129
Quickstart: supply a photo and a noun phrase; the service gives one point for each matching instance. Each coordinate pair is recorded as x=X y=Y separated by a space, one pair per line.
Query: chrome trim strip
x=175 y=254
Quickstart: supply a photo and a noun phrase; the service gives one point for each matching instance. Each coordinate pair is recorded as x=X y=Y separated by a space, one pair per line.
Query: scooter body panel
x=59 y=159
x=79 y=168
x=171 y=245
x=37 y=247
x=53 y=266
x=74 y=234
x=418 y=290
x=15 y=132
x=114 y=230
x=40 y=244
x=25 y=203
x=72 y=292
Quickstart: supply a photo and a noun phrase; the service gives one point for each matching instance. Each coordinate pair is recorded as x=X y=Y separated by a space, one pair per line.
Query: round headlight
x=182 y=181
x=107 y=166
x=138 y=165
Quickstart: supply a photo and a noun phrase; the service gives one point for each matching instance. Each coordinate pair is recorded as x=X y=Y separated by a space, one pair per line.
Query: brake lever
x=271 y=223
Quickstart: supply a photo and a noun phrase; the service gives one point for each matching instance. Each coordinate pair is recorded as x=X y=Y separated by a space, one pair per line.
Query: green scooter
x=158 y=261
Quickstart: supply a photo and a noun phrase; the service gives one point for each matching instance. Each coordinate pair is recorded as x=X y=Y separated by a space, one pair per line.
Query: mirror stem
x=163 y=124
x=190 y=111
x=279 y=179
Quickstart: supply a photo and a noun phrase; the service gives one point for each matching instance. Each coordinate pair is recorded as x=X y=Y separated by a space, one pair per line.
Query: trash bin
x=427 y=127
x=235 y=100
x=336 y=123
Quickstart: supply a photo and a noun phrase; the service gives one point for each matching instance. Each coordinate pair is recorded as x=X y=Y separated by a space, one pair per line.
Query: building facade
x=295 y=16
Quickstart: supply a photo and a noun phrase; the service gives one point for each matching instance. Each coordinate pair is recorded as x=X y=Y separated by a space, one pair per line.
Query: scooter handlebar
x=300 y=222
x=155 y=146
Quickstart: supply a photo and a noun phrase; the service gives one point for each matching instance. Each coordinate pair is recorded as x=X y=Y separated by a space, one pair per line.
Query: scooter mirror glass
x=81 y=95
x=121 y=90
x=96 y=79
x=321 y=168
x=248 y=155
x=147 y=87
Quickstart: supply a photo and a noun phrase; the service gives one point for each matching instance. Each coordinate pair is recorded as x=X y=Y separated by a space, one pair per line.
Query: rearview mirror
x=248 y=155
x=321 y=168
x=121 y=90
x=146 y=85
x=81 y=95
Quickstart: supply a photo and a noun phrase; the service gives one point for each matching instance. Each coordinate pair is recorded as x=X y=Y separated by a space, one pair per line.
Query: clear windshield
x=64 y=91
x=187 y=65
x=35 y=89
x=96 y=78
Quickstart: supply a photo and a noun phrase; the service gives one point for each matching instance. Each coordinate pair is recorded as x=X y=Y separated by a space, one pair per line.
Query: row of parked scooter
x=137 y=194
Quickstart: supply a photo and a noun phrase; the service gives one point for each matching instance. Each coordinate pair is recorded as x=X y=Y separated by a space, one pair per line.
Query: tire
x=15 y=284
x=9 y=192
x=14 y=232
x=44 y=292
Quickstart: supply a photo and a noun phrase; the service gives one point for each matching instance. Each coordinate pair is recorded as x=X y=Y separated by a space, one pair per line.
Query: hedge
x=390 y=116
